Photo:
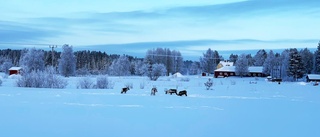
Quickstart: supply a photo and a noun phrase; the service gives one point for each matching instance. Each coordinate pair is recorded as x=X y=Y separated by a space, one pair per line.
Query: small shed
x=15 y=70
x=313 y=78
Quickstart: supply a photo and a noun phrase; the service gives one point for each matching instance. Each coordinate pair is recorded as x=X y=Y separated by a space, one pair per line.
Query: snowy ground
x=234 y=107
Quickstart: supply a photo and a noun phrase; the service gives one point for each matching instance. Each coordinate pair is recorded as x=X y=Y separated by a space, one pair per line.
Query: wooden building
x=15 y=70
x=227 y=71
x=313 y=78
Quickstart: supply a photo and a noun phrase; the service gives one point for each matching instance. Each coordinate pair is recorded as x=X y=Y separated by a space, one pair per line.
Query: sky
x=134 y=26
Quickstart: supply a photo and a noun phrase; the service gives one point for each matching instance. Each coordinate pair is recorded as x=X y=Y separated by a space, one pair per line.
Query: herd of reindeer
x=154 y=91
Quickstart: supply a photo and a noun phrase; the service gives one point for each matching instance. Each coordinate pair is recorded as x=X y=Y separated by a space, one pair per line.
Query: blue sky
x=133 y=26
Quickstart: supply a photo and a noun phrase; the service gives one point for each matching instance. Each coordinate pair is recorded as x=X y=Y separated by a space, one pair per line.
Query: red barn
x=15 y=70
x=227 y=71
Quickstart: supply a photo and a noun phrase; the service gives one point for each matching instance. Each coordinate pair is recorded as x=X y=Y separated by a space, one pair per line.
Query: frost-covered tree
x=307 y=60
x=295 y=64
x=284 y=61
x=178 y=61
x=195 y=68
x=138 y=65
x=6 y=65
x=120 y=67
x=155 y=71
x=260 y=57
x=32 y=60
x=242 y=67
x=317 y=60
x=172 y=60
x=67 y=61
x=209 y=61
x=269 y=63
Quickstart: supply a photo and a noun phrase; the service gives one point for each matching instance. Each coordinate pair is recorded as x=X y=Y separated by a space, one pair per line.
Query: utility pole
x=52 y=53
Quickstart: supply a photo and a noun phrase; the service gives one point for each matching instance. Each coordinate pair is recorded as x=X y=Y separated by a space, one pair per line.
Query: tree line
x=293 y=63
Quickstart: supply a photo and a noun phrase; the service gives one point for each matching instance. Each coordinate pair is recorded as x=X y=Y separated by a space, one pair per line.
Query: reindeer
x=183 y=92
x=124 y=90
x=153 y=91
x=171 y=91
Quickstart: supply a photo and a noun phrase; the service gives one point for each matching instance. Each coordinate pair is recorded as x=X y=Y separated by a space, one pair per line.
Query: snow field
x=233 y=107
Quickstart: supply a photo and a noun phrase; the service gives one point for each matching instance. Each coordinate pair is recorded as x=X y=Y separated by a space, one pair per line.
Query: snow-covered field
x=233 y=108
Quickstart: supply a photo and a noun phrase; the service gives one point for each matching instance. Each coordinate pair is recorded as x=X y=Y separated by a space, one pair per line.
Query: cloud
x=185 y=27
x=20 y=32
x=193 y=49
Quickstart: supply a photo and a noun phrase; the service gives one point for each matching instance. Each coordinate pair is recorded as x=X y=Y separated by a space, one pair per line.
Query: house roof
x=226 y=63
x=314 y=76
x=233 y=69
x=15 y=68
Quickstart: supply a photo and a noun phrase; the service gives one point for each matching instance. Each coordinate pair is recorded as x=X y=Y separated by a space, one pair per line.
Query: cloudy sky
x=133 y=26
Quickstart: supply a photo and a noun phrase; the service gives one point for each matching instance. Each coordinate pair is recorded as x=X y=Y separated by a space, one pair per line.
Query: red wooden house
x=15 y=70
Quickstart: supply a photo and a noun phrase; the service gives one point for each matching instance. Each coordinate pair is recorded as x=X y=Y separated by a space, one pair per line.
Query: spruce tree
x=307 y=60
x=317 y=59
x=209 y=61
x=295 y=64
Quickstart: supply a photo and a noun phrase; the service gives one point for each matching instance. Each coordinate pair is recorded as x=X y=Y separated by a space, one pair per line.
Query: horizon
x=224 y=53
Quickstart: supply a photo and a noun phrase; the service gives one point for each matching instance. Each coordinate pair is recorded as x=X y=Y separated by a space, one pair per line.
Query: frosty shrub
x=85 y=83
x=157 y=70
x=208 y=84
x=104 y=83
x=129 y=85
x=42 y=79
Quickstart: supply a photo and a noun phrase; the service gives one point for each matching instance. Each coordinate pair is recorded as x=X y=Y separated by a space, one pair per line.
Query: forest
x=294 y=63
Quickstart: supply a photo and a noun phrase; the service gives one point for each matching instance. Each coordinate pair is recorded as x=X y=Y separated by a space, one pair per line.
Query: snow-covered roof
x=227 y=69
x=177 y=75
x=226 y=63
x=256 y=69
x=15 y=68
x=314 y=76
x=233 y=69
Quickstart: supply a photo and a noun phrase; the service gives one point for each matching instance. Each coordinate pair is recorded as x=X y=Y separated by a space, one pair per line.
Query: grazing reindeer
x=183 y=92
x=153 y=91
x=171 y=91
x=124 y=90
